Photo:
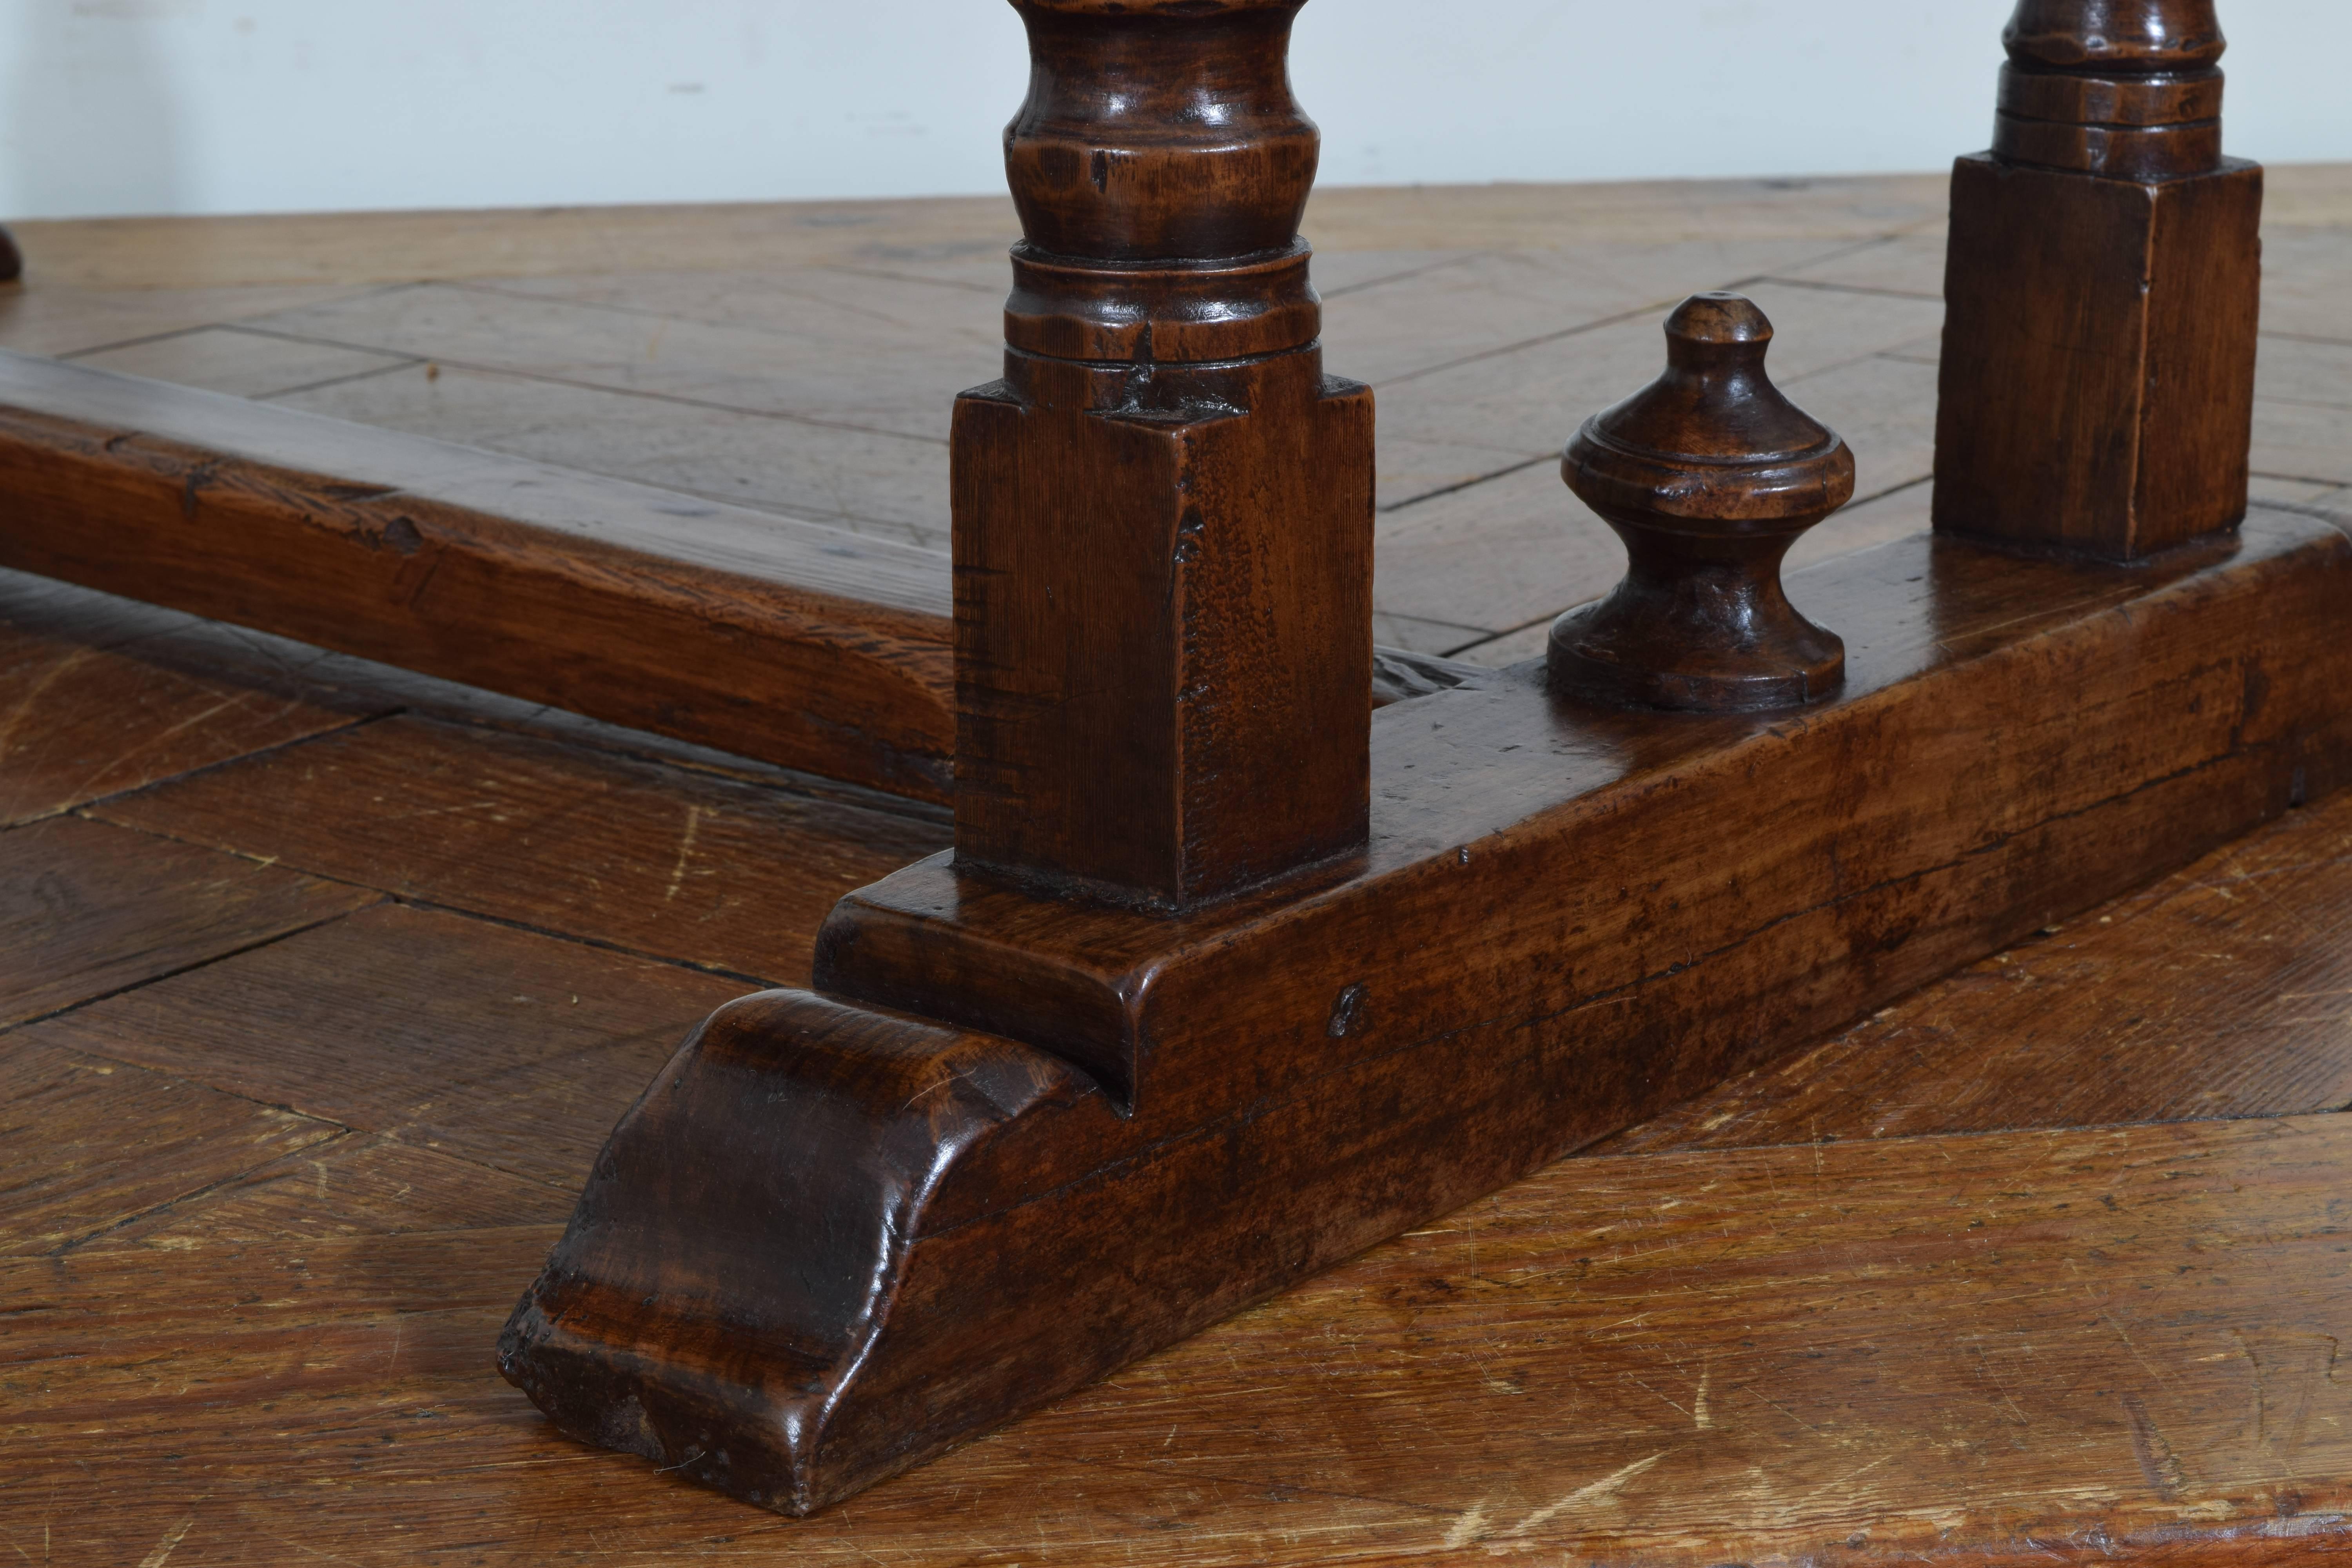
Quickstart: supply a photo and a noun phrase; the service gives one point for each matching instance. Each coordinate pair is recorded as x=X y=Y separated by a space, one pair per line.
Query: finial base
x=1723 y=639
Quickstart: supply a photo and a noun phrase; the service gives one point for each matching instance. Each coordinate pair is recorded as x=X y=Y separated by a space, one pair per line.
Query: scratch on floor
x=1470 y=1527
x=169 y=1544
x=2158 y=1462
x=1601 y=1490
x=24 y=704
x=685 y=851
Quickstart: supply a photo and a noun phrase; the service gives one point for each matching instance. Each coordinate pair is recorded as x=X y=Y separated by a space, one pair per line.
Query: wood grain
x=87 y=909
x=728 y=627
x=66 y=1174
x=421 y=1024
x=2001 y=1348
x=2103 y=278
x=656 y=860
x=101 y=698
x=2223 y=990
x=1275 y=1084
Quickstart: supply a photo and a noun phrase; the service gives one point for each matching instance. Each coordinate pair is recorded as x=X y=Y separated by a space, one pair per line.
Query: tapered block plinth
x=1163 y=625
x=2101 y=291
x=2097 y=387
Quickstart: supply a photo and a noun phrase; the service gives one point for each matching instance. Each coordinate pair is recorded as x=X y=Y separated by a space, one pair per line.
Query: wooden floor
x=320 y=986
x=803 y=359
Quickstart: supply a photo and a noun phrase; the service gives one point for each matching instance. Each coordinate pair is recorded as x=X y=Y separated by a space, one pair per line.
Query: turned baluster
x=2102 y=286
x=1708 y=475
x=1163 y=512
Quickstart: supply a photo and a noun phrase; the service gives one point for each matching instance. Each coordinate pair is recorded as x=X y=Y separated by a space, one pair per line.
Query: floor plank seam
x=97 y=802
x=410 y=364
x=509 y=372
x=392 y=896
x=1344 y=289
x=1459 y=486
x=236 y=321
x=575 y=939
x=206 y=963
x=1826 y=286
x=308 y=1150
x=1579 y=330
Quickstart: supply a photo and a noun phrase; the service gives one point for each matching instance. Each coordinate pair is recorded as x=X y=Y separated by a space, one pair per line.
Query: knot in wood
x=1708 y=475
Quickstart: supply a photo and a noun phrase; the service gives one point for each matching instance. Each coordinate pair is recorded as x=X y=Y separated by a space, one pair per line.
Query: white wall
x=208 y=106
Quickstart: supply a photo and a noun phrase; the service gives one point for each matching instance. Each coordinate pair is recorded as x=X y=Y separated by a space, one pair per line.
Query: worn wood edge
x=1068 y=1239
x=854 y=1120
x=942 y=943
x=394 y=554
x=828 y=562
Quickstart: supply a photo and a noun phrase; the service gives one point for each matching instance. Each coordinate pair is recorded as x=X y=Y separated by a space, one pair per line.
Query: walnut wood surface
x=85 y=911
x=1285 y=1082
x=2123 y=88
x=802 y=358
x=523 y=829
x=1164 y=511
x=102 y=705
x=291 y=1361
x=2199 y=995
x=1708 y=475
x=386 y=1176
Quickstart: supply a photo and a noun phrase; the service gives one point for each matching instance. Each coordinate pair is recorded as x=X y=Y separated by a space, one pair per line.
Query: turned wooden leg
x=2101 y=291
x=1163 y=512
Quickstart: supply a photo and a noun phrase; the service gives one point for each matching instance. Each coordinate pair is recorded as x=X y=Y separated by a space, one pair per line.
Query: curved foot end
x=716 y=1302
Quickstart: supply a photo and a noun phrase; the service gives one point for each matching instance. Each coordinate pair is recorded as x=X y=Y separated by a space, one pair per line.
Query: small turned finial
x=1160 y=167
x=1708 y=475
x=2126 y=88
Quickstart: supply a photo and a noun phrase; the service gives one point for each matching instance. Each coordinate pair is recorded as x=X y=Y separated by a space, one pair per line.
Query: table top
x=321 y=984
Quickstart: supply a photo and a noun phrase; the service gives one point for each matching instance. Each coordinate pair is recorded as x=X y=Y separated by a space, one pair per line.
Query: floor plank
x=88 y=1144
x=516 y=1050
x=656 y=859
x=1878 y=1307
x=103 y=697
x=801 y=362
x=1863 y=1352
x=88 y=909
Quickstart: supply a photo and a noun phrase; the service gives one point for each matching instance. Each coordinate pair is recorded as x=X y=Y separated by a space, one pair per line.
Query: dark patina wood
x=1708 y=475
x=2101 y=291
x=260 y=1219
x=1090 y=1081
x=1052 y=1138
x=790 y=642
x=1164 y=512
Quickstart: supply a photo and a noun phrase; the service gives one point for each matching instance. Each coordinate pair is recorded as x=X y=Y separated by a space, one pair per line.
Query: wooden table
x=2049 y=1260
